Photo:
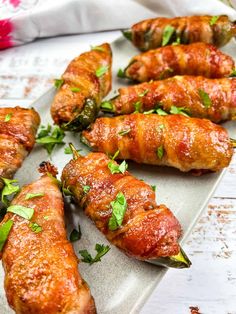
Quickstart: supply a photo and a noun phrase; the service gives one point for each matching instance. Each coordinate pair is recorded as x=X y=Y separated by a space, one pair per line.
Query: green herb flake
x=179 y=110
x=161 y=112
x=58 y=83
x=160 y=152
x=35 y=227
x=149 y=111
x=119 y=206
x=115 y=168
x=121 y=73
x=46 y=217
x=167 y=33
x=101 y=250
x=177 y=42
x=233 y=73
x=50 y=137
x=33 y=195
x=102 y=70
x=66 y=191
x=124 y=132
x=75 y=235
x=86 y=188
x=205 y=98
x=97 y=48
x=8 y=189
x=161 y=126
x=164 y=72
x=214 y=19
x=68 y=150
x=137 y=106
x=75 y=89
x=143 y=93
x=5 y=229
x=107 y=106
x=8 y=117
x=153 y=187
x=115 y=155
x=24 y=212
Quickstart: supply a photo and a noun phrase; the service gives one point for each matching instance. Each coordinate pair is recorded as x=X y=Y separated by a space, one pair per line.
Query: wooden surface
x=209 y=286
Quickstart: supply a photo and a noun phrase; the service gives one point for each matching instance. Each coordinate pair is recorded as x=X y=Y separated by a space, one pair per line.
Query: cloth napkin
x=23 y=21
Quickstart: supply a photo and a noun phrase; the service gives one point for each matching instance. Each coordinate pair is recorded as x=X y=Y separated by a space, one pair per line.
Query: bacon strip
x=173 y=140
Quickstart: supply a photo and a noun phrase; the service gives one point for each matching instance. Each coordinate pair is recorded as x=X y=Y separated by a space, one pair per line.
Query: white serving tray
x=119 y=284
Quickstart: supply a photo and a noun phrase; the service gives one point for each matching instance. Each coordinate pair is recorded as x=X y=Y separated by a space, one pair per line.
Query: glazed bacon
x=149 y=34
x=172 y=140
x=194 y=59
x=85 y=82
x=148 y=230
x=181 y=91
x=18 y=128
x=41 y=274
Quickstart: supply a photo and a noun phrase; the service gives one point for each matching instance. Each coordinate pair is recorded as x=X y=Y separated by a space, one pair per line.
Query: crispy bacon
x=172 y=140
x=194 y=59
x=180 y=91
x=148 y=34
x=41 y=274
x=18 y=127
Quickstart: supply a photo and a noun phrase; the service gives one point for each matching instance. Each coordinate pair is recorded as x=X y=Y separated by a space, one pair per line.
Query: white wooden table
x=210 y=284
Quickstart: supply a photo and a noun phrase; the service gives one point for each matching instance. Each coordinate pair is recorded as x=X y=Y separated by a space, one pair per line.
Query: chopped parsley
x=233 y=73
x=160 y=152
x=161 y=112
x=75 y=234
x=121 y=73
x=205 y=98
x=35 y=227
x=119 y=206
x=8 y=117
x=214 y=19
x=124 y=132
x=75 y=89
x=8 y=189
x=106 y=106
x=5 y=229
x=86 y=188
x=149 y=111
x=115 y=168
x=179 y=110
x=33 y=195
x=137 y=106
x=153 y=187
x=101 y=250
x=50 y=137
x=102 y=70
x=167 y=33
x=68 y=150
x=143 y=93
x=58 y=83
x=22 y=211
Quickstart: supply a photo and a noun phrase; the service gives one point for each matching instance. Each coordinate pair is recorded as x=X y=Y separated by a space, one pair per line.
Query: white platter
x=119 y=284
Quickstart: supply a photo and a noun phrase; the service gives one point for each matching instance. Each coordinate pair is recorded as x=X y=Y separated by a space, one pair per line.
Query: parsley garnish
x=8 y=189
x=206 y=100
x=121 y=73
x=124 y=132
x=22 y=211
x=101 y=251
x=32 y=195
x=119 y=206
x=177 y=42
x=115 y=168
x=160 y=151
x=49 y=137
x=8 y=117
x=214 y=19
x=86 y=188
x=153 y=187
x=143 y=93
x=167 y=33
x=106 y=106
x=68 y=150
x=164 y=72
x=149 y=112
x=4 y=232
x=178 y=110
x=161 y=126
x=161 y=112
x=75 y=89
x=75 y=235
x=102 y=70
x=35 y=227
x=233 y=73
x=58 y=83
x=98 y=48
x=137 y=106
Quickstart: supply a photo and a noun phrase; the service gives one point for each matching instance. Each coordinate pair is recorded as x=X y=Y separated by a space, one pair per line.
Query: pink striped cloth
x=23 y=21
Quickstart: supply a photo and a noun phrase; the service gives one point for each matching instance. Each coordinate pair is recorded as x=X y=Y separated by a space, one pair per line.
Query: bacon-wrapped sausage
x=154 y=33
x=172 y=140
x=41 y=274
x=18 y=127
x=147 y=231
x=195 y=59
x=213 y=99
x=85 y=82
